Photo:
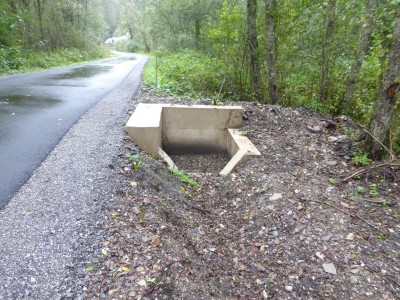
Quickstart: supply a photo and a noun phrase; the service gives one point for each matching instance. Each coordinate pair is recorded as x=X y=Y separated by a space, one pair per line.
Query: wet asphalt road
x=37 y=109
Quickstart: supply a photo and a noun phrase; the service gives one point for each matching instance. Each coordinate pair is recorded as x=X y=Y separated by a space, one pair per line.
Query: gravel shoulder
x=93 y=223
x=54 y=222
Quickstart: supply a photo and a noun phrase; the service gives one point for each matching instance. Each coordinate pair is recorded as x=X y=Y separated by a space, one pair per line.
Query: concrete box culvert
x=162 y=129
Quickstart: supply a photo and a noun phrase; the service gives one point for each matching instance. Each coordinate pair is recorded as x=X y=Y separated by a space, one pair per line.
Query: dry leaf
x=346 y=205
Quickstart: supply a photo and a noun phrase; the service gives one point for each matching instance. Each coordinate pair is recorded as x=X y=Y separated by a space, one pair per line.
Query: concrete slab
x=177 y=129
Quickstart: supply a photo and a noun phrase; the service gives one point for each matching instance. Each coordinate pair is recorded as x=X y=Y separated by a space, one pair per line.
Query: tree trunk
x=39 y=8
x=197 y=34
x=253 y=46
x=362 y=51
x=383 y=110
x=271 y=51
x=330 y=22
x=197 y=26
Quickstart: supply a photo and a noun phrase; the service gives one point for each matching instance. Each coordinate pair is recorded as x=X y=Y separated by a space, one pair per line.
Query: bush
x=10 y=58
x=186 y=73
x=127 y=46
x=14 y=59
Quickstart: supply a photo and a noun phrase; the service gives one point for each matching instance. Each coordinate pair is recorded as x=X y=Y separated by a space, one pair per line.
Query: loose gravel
x=54 y=222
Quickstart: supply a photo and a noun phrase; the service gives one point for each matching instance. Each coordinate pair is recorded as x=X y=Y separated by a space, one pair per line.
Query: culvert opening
x=200 y=162
x=198 y=138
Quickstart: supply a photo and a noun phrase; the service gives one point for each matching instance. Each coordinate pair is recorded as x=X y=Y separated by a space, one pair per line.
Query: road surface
x=37 y=109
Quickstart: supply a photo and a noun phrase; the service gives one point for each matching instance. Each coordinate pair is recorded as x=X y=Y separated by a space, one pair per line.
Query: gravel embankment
x=54 y=222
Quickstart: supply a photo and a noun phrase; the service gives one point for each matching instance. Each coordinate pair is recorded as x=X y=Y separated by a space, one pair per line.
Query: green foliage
x=10 y=58
x=127 y=46
x=373 y=189
x=244 y=133
x=13 y=60
x=361 y=159
x=317 y=106
x=186 y=73
x=332 y=181
x=183 y=177
x=135 y=160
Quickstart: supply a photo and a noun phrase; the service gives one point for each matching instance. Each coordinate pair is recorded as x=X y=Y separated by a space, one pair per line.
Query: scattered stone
x=332 y=138
x=329 y=268
x=142 y=282
x=275 y=196
x=320 y=255
x=134 y=184
x=353 y=279
x=326 y=238
x=355 y=270
x=350 y=236
x=288 y=288
x=331 y=162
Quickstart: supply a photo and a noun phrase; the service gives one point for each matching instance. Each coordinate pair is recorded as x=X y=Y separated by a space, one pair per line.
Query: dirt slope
x=282 y=226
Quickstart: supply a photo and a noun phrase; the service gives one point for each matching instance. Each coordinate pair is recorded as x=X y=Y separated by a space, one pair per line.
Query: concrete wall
x=199 y=128
x=163 y=129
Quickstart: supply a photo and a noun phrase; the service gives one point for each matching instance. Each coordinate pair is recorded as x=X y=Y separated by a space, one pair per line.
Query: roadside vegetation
x=41 y=34
x=331 y=56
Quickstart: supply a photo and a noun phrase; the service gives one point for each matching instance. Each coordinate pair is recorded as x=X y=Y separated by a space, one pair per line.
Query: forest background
x=336 y=56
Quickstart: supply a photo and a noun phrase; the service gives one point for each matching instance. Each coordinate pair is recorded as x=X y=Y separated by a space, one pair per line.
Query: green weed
x=183 y=177
x=361 y=159
x=135 y=160
x=373 y=190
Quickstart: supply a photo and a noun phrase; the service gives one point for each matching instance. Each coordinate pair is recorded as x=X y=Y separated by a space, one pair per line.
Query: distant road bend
x=37 y=109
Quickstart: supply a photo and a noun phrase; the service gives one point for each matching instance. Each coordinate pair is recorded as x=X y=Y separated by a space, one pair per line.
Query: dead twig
x=391 y=163
x=196 y=207
x=349 y=214
x=392 y=155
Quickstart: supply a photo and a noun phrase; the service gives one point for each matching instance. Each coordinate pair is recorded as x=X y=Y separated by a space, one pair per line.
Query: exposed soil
x=281 y=226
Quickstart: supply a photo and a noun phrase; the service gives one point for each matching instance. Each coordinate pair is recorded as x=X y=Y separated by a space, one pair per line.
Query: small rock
x=288 y=288
x=350 y=236
x=326 y=238
x=331 y=162
x=275 y=233
x=353 y=279
x=142 y=282
x=260 y=267
x=134 y=184
x=320 y=255
x=329 y=268
x=275 y=196
x=265 y=294
x=347 y=157
x=332 y=138
x=355 y=270
x=259 y=281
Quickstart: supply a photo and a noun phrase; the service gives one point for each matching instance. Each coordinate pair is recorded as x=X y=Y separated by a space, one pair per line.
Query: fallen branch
x=391 y=163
